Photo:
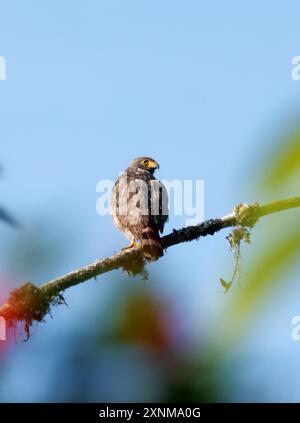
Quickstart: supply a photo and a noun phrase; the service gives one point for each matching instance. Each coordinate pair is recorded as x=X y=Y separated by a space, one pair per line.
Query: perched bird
x=139 y=206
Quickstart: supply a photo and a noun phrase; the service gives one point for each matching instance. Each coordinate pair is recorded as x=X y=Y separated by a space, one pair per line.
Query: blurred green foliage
x=275 y=241
x=284 y=163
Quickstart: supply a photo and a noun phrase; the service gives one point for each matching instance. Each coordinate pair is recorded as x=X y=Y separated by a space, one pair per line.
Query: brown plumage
x=140 y=206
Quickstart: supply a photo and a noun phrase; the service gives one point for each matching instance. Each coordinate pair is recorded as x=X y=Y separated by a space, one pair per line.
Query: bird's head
x=145 y=163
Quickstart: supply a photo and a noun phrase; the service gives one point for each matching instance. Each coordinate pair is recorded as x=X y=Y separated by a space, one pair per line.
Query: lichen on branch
x=29 y=303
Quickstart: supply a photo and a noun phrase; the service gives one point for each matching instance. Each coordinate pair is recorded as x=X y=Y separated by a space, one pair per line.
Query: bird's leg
x=132 y=244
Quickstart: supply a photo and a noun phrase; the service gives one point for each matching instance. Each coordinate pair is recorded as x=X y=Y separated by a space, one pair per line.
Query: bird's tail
x=151 y=244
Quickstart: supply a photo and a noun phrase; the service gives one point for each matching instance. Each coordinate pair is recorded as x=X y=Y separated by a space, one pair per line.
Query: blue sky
x=91 y=85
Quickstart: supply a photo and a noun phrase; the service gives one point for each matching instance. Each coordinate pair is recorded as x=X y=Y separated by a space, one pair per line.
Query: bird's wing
x=159 y=203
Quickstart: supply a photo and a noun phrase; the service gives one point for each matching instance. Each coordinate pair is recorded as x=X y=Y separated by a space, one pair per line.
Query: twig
x=30 y=303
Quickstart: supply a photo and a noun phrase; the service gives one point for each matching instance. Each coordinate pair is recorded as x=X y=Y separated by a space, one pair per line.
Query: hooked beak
x=153 y=165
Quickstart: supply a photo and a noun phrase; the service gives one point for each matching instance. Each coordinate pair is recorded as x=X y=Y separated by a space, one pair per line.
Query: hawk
x=139 y=206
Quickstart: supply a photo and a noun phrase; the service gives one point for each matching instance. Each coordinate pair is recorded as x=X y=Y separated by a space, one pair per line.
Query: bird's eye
x=146 y=162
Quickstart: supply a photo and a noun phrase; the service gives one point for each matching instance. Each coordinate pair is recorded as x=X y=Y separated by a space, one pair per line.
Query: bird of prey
x=139 y=206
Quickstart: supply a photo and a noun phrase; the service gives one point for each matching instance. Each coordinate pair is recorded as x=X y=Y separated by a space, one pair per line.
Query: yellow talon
x=131 y=245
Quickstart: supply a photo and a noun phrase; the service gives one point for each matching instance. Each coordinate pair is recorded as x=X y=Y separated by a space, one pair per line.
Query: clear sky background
x=91 y=85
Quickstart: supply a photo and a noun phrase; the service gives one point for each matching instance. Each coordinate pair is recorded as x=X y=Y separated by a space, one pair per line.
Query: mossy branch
x=29 y=303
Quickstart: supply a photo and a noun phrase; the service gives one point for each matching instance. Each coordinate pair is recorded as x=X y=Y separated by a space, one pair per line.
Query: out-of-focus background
x=204 y=88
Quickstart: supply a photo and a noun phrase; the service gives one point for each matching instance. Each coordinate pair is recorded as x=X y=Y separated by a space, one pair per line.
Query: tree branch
x=29 y=303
